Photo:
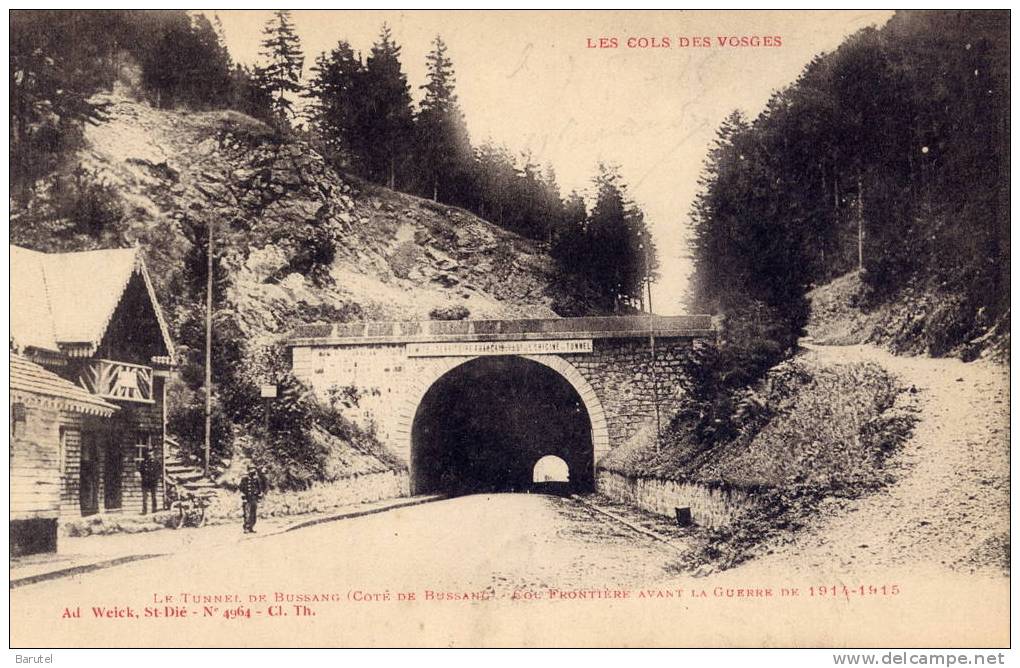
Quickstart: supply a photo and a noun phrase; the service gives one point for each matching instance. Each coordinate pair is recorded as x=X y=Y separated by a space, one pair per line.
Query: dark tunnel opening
x=483 y=426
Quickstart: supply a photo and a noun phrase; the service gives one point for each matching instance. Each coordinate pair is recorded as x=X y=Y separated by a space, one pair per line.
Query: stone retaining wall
x=225 y=507
x=322 y=497
x=709 y=507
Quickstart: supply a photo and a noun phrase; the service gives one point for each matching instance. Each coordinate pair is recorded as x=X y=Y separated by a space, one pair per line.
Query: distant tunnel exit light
x=551 y=469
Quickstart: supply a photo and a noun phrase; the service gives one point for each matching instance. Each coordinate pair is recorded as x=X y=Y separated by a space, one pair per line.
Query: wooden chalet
x=92 y=355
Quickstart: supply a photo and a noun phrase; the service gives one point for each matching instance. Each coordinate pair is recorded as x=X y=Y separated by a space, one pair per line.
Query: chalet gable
x=64 y=304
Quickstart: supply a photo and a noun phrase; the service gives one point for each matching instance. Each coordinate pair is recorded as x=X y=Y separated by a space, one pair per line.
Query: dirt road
x=502 y=569
x=949 y=506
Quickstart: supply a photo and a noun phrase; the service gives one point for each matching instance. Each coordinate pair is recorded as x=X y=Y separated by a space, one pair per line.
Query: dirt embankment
x=948 y=506
x=917 y=320
x=834 y=502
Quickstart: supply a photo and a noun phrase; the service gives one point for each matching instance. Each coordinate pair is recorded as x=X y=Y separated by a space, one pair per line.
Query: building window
x=143 y=443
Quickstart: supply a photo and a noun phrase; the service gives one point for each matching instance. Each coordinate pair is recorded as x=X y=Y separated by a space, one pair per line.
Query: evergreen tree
x=612 y=248
x=442 y=146
x=387 y=124
x=281 y=75
x=571 y=248
x=888 y=155
x=250 y=92
x=749 y=260
x=575 y=213
x=163 y=61
x=715 y=217
x=51 y=80
x=622 y=253
x=528 y=197
x=183 y=60
x=210 y=70
x=494 y=178
x=551 y=208
x=337 y=91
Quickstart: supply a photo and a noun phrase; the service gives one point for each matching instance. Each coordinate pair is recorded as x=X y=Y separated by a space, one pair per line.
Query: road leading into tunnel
x=457 y=556
x=483 y=570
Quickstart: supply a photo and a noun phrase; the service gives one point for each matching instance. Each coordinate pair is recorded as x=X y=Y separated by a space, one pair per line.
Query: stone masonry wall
x=709 y=507
x=620 y=370
x=321 y=497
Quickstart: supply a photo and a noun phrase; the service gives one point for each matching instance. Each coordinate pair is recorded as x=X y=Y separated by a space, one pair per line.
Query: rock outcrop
x=276 y=202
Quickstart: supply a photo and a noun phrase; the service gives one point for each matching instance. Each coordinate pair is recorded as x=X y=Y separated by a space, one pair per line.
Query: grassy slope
x=821 y=426
x=822 y=431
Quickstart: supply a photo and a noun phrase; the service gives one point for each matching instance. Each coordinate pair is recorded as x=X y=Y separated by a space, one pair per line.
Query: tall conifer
x=388 y=122
x=442 y=146
x=284 y=61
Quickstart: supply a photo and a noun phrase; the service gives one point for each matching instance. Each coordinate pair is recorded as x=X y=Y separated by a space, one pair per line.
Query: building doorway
x=88 y=479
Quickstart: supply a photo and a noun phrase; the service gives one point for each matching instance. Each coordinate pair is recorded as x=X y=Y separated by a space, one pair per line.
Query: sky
x=538 y=81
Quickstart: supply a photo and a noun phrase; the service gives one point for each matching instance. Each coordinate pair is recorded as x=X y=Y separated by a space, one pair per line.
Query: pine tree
x=337 y=91
x=184 y=61
x=494 y=177
x=571 y=248
x=250 y=92
x=442 y=146
x=51 y=82
x=208 y=78
x=623 y=254
x=221 y=34
x=165 y=58
x=552 y=211
x=714 y=220
x=281 y=50
x=575 y=213
x=387 y=124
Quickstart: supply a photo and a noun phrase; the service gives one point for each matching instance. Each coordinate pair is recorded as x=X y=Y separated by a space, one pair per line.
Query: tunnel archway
x=482 y=426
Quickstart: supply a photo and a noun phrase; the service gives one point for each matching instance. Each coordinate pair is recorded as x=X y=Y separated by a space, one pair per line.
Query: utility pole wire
x=651 y=340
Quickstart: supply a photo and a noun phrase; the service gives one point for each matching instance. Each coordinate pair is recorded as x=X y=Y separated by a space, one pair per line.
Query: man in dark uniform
x=148 y=469
x=251 y=489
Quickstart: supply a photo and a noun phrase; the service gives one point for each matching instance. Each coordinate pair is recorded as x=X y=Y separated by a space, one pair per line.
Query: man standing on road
x=251 y=489
x=148 y=469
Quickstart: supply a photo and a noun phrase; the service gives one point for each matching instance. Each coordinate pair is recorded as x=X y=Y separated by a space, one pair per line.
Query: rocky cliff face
x=300 y=241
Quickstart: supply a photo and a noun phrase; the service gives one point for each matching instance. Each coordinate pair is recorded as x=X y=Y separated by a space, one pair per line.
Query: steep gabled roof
x=31 y=384
x=31 y=319
x=68 y=299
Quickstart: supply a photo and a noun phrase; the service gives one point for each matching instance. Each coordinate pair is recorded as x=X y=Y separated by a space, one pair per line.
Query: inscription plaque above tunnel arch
x=525 y=381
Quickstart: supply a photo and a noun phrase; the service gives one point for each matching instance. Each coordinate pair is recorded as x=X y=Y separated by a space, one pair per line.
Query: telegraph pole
x=655 y=376
x=651 y=340
x=208 y=348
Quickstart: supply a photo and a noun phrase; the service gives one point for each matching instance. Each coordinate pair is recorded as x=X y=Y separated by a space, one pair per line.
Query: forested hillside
x=355 y=109
x=868 y=202
x=136 y=127
x=888 y=156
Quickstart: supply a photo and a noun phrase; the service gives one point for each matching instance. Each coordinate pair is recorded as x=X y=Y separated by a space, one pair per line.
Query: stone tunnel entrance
x=484 y=425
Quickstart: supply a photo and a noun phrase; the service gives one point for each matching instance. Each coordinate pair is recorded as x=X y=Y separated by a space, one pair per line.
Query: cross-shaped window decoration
x=141 y=445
